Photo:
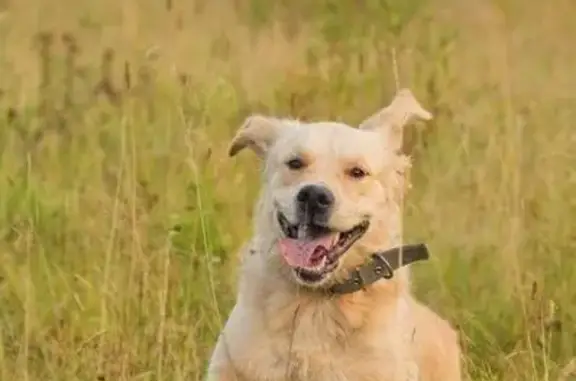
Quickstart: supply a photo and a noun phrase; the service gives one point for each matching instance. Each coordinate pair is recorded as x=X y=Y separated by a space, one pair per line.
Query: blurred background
x=121 y=214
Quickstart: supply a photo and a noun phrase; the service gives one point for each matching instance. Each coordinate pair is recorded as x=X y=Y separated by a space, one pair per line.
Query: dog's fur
x=282 y=330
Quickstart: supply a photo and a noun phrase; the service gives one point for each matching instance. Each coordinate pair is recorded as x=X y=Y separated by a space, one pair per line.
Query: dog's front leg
x=221 y=367
x=222 y=373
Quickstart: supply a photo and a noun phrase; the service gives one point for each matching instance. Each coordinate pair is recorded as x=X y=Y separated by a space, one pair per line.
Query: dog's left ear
x=391 y=120
x=258 y=133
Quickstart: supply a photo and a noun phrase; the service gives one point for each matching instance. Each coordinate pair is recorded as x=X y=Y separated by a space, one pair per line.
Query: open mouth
x=313 y=251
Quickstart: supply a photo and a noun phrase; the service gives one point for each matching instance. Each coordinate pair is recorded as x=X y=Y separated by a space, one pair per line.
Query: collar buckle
x=382 y=268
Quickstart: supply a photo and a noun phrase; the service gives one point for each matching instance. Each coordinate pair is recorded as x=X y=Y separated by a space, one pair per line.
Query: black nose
x=316 y=202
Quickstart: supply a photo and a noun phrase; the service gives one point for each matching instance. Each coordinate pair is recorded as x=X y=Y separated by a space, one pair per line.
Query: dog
x=324 y=289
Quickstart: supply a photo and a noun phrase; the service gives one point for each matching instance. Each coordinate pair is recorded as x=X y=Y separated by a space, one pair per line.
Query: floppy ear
x=391 y=120
x=258 y=133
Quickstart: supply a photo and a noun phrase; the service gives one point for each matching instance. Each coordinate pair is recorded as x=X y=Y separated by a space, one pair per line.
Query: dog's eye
x=357 y=173
x=295 y=163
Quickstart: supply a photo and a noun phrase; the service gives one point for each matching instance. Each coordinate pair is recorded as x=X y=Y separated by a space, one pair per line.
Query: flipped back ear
x=391 y=120
x=258 y=133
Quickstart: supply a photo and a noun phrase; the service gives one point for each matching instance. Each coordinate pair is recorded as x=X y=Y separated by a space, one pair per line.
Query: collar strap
x=381 y=266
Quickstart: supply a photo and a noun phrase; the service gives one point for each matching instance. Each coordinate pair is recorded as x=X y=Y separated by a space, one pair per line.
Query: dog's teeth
x=335 y=238
x=302 y=231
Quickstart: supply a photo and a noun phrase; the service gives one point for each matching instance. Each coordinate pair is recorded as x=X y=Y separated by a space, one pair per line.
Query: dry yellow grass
x=120 y=212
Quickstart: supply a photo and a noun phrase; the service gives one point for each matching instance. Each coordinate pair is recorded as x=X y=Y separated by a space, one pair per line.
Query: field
x=121 y=214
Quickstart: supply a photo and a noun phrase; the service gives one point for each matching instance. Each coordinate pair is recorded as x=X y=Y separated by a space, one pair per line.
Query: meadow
x=121 y=214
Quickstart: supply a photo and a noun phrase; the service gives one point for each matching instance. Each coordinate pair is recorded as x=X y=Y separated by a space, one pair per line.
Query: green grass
x=120 y=213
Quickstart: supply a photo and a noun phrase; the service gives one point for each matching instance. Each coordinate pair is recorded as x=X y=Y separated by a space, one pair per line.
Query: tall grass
x=120 y=213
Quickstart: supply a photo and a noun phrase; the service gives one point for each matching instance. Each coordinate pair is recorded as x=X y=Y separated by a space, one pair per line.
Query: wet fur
x=279 y=330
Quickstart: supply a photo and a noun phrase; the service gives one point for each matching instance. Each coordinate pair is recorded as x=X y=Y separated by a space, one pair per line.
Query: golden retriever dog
x=324 y=291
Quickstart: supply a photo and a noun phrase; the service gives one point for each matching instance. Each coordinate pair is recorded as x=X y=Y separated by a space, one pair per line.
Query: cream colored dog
x=331 y=199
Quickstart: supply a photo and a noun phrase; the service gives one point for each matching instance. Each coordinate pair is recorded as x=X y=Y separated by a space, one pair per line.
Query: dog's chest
x=310 y=350
x=330 y=360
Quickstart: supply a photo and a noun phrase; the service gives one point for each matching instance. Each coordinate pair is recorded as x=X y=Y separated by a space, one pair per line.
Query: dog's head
x=331 y=192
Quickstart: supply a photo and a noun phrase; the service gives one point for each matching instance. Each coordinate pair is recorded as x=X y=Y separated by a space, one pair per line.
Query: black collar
x=381 y=266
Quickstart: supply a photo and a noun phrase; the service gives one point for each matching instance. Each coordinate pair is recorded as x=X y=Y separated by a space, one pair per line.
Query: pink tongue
x=303 y=252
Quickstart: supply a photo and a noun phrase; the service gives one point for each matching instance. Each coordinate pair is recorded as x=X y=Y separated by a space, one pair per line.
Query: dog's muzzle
x=314 y=251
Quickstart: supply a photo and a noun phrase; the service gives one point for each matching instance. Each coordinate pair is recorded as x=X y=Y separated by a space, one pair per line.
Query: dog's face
x=324 y=184
x=329 y=189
